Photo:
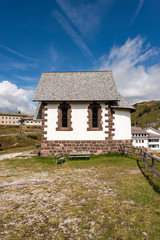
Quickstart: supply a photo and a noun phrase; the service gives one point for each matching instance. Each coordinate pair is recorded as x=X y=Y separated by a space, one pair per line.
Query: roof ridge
x=78 y=71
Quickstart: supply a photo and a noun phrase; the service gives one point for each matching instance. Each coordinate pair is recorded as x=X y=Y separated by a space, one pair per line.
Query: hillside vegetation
x=147 y=114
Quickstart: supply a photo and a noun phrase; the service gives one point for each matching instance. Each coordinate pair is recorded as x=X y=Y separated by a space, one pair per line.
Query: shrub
x=140 y=114
x=146 y=109
x=33 y=137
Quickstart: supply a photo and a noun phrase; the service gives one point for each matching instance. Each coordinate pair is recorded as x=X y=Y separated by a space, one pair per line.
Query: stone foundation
x=51 y=148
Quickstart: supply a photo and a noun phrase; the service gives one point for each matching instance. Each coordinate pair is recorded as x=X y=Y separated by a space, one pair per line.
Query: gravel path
x=14 y=155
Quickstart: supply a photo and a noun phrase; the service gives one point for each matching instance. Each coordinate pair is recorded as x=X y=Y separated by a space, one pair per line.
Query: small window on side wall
x=64 y=117
x=94 y=117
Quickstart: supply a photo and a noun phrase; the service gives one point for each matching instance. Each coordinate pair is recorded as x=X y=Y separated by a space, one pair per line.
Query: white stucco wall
x=122 y=124
x=79 y=124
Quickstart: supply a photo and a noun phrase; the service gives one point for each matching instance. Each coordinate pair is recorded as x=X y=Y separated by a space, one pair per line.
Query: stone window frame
x=59 y=122
x=90 y=108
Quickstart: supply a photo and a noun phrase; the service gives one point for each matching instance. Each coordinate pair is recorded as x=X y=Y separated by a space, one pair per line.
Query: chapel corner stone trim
x=110 y=120
x=89 y=122
x=69 y=116
x=44 y=120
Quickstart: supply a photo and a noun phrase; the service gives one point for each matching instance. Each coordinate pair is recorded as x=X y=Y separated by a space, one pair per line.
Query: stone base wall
x=51 y=148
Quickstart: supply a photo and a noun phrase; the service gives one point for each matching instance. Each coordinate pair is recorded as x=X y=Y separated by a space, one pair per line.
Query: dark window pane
x=64 y=117
x=94 y=117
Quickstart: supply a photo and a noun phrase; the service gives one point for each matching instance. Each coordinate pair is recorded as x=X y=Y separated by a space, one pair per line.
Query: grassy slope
x=16 y=129
x=9 y=129
x=152 y=117
x=96 y=199
x=16 y=143
x=11 y=142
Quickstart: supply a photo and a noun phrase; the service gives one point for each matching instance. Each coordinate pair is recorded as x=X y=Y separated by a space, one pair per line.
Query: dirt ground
x=39 y=201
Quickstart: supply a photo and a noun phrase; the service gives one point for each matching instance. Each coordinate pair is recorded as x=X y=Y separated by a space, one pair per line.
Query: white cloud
x=15 y=99
x=135 y=81
x=74 y=36
x=140 y=4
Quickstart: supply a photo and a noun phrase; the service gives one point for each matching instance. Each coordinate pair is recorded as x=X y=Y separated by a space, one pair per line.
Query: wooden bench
x=60 y=158
x=84 y=154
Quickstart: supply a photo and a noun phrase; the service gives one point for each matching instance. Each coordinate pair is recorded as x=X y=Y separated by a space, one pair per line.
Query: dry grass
x=12 y=144
x=156 y=154
x=106 y=197
x=16 y=129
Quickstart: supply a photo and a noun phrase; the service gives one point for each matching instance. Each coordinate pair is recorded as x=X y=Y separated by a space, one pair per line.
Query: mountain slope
x=147 y=114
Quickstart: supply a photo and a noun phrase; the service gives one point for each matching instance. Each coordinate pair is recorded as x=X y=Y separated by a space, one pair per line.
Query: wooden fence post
x=141 y=155
x=124 y=151
x=144 y=158
x=153 y=166
x=121 y=149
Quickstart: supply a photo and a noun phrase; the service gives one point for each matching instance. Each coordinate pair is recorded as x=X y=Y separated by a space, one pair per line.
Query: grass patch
x=33 y=128
x=17 y=142
x=16 y=129
x=106 y=197
x=157 y=154
x=9 y=129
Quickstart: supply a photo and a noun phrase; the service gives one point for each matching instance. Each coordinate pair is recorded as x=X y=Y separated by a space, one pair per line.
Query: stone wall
x=49 y=148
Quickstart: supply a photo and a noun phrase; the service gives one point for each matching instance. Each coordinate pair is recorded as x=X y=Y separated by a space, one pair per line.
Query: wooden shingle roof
x=76 y=86
x=79 y=86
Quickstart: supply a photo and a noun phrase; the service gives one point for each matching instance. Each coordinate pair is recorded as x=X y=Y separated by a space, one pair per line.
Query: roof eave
x=74 y=100
x=131 y=109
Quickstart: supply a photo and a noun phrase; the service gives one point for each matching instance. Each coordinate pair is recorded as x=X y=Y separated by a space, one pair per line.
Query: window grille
x=94 y=117
x=64 y=117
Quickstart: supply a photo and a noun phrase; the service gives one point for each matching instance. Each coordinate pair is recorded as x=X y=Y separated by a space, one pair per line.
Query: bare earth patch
x=55 y=202
x=134 y=171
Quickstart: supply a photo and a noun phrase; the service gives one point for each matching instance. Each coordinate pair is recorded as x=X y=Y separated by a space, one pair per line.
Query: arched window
x=94 y=117
x=64 y=117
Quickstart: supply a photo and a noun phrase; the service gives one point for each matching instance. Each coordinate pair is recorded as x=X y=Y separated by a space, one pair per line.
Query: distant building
x=32 y=122
x=139 y=137
x=147 y=138
x=154 y=138
x=11 y=119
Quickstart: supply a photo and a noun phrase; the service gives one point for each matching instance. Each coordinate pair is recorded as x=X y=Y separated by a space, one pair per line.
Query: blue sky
x=66 y=35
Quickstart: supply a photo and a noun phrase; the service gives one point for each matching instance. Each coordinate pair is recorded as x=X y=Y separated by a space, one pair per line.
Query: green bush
x=33 y=137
